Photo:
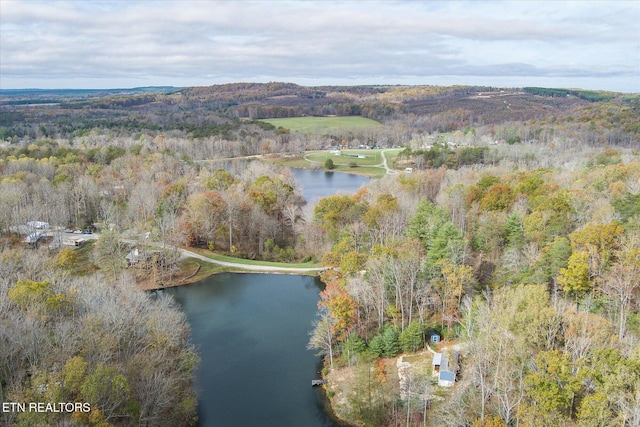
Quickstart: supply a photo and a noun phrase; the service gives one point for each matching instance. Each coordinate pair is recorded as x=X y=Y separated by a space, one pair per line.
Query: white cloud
x=114 y=43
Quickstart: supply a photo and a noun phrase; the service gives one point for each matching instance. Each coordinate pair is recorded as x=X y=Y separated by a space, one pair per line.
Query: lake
x=251 y=331
x=317 y=184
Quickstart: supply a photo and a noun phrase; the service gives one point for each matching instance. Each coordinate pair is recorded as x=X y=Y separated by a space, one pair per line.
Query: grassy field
x=189 y=265
x=321 y=124
x=370 y=165
x=348 y=160
x=371 y=157
x=370 y=171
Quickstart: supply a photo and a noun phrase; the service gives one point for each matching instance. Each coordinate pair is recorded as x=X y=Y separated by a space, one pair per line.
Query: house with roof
x=38 y=225
x=135 y=256
x=446 y=366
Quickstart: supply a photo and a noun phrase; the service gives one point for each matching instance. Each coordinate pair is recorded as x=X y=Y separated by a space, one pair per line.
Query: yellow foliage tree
x=575 y=278
x=67 y=258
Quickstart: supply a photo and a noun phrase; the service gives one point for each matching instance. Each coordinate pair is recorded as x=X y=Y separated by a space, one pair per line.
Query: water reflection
x=251 y=331
x=317 y=184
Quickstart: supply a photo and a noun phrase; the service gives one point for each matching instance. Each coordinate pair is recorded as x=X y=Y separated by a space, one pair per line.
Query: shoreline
x=156 y=287
x=226 y=267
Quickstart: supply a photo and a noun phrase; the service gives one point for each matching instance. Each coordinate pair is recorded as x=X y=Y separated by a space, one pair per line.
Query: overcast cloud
x=109 y=44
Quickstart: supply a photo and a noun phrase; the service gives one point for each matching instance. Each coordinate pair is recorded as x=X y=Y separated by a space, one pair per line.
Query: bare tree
x=322 y=337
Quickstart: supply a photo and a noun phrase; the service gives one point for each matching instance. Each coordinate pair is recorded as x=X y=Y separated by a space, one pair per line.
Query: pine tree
x=391 y=344
x=411 y=337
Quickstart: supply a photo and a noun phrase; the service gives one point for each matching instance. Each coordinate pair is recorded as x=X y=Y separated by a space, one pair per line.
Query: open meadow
x=314 y=124
x=362 y=162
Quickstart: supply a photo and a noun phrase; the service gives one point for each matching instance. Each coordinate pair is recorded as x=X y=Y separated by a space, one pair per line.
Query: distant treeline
x=587 y=95
x=76 y=93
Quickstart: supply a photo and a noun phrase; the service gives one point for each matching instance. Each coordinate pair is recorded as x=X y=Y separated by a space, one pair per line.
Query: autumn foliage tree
x=341 y=307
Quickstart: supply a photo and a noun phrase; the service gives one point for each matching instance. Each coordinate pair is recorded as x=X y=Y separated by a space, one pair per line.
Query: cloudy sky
x=115 y=44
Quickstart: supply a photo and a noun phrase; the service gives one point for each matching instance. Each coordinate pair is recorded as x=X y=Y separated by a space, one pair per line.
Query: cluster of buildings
x=446 y=365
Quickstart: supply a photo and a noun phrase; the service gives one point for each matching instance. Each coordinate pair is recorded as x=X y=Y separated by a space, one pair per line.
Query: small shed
x=434 y=336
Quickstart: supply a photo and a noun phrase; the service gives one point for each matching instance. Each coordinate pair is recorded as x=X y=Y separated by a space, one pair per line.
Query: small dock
x=315 y=383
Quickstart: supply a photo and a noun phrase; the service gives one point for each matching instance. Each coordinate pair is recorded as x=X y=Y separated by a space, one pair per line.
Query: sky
x=123 y=44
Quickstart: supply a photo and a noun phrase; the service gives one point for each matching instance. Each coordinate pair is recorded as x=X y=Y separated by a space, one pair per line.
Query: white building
x=38 y=225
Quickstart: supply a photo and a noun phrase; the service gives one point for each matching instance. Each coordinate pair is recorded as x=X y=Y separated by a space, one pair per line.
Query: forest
x=534 y=274
x=516 y=238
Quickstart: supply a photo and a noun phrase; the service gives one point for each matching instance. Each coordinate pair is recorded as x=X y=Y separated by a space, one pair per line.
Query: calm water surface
x=251 y=331
x=317 y=184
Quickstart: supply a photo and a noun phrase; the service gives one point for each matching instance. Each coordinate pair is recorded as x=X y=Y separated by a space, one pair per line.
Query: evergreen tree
x=376 y=345
x=352 y=347
x=447 y=242
x=513 y=231
x=411 y=338
x=391 y=344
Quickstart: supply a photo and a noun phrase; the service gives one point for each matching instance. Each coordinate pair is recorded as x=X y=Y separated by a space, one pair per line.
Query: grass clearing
x=346 y=157
x=300 y=163
x=297 y=162
x=421 y=363
x=391 y=156
x=206 y=269
x=369 y=164
x=320 y=125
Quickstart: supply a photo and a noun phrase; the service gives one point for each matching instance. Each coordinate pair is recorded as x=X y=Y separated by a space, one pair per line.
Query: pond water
x=251 y=331
x=317 y=184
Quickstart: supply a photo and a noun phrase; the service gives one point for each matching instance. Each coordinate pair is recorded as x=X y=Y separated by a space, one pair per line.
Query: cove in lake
x=315 y=183
x=251 y=331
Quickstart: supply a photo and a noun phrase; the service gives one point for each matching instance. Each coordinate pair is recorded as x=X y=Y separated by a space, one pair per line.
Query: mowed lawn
x=321 y=124
x=348 y=161
x=347 y=157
